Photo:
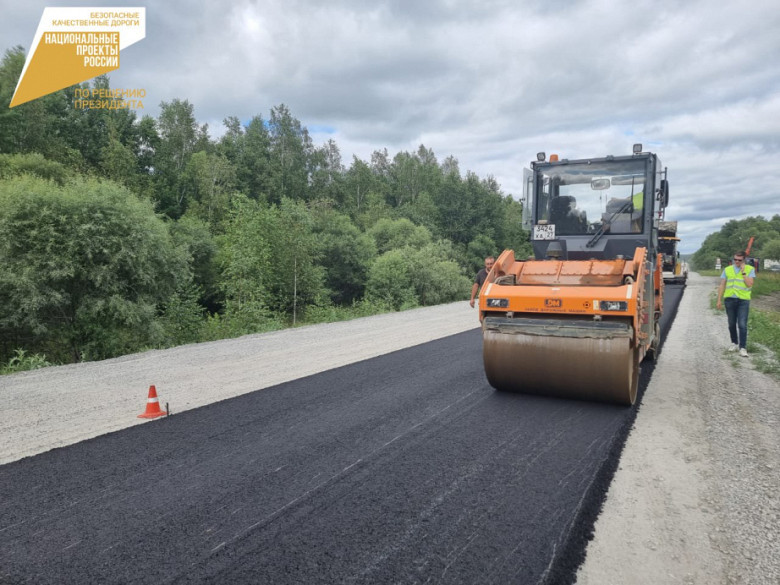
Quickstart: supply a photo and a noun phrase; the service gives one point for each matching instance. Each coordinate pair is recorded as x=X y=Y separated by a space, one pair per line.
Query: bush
x=85 y=266
x=21 y=362
x=237 y=321
x=406 y=278
x=390 y=281
x=13 y=165
x=183 y=318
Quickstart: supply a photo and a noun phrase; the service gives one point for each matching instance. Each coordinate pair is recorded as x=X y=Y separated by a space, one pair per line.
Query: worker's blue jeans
x=737 y=313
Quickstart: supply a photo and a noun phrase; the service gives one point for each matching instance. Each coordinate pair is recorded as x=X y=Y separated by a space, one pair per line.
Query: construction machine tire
x=582 y=368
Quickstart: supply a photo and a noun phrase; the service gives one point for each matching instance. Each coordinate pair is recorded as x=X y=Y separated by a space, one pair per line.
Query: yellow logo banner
x=73 y=45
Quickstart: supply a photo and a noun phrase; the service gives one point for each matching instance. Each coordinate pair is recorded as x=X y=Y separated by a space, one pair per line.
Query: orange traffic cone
x=152 y=405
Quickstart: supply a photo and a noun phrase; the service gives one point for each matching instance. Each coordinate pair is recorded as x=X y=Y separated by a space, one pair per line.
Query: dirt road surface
x=695 y=499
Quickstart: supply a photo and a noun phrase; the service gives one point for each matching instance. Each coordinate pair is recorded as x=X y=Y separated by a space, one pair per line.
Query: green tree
x=381 y=167
x=771 y=250
x=450 y=166
x=471 y=206
x=15 y=135
x=327 y=173
x=373 y=210
x=211 y=180
x=119 y=164
x=405 y=179
x=478 y=249
x=391 y=234
x=290 y=151
x=148 y=144
x=297 y=278
x=85 y=267
x=410 y=175
x=182 y=317
x=735 y=235
x=192 y=235
x=455 y=214
x=245 y=260
x=179 y=136
x=270 y=257
x=774 y=223
x=358 y=182
x=231 y=145
x=345 y=254
x=90 y=131
x=510 y=234
x=39 y=125
x=254 y=166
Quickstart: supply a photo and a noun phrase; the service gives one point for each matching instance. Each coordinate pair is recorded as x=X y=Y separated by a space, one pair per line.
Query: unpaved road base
x=695 y=499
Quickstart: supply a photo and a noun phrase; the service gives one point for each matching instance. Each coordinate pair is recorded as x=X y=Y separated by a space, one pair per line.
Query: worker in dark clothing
x=481 y=276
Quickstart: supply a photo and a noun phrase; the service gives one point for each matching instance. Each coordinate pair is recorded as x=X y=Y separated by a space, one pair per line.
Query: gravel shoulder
x=695 y=499
x=62 y=405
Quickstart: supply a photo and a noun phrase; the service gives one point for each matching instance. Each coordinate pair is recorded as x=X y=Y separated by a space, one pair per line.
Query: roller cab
x=577 y=318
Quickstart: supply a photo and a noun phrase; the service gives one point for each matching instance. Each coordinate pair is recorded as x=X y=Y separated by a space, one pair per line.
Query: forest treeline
x=120 y=233
x=735 y=235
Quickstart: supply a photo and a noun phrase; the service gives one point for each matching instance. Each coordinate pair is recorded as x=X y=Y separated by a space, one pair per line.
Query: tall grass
x=764 y=329
x=764 y=324
x=332 y=313
x=21 y=362
x=766 y=283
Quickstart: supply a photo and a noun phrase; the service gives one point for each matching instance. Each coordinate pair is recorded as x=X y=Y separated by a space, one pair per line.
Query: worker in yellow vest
x=736 y=282
x=638 y=201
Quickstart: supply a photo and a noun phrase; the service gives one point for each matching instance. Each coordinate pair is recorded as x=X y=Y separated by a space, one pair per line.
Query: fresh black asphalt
x=406 y=468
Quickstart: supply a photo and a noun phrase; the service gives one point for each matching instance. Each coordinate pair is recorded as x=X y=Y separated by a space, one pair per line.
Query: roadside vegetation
x=764 y=323
x=21 y=362
x=736 y=235
x=120 y=234
x=764 y=327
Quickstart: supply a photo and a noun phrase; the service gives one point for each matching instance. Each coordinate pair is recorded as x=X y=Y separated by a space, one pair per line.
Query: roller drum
x=569 y=364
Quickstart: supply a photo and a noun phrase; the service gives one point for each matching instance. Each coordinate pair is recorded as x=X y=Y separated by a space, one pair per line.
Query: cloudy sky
x=490 y=82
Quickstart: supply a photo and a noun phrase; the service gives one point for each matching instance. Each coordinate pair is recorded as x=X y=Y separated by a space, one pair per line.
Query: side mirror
x=664 y=193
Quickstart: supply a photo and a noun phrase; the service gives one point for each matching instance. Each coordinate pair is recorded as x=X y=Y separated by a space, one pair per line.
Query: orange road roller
x=576 y=319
